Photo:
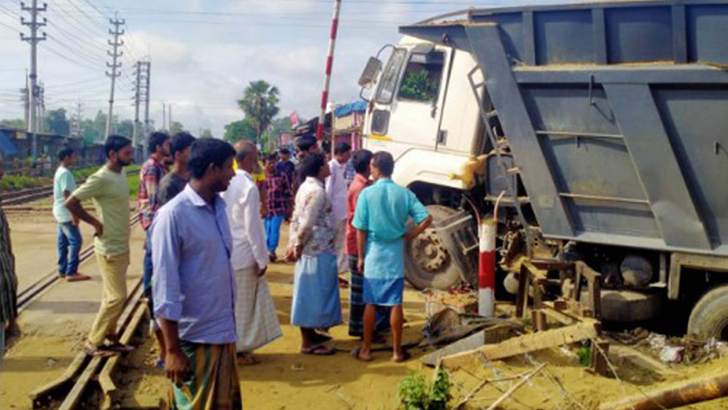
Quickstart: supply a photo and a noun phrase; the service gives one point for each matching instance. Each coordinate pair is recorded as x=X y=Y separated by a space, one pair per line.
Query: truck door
x=407 y=107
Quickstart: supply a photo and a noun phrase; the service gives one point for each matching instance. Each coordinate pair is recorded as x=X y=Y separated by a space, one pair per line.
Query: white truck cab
x=422 y=111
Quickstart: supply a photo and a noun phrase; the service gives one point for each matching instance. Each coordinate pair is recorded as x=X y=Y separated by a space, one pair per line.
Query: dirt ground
x=53 y=328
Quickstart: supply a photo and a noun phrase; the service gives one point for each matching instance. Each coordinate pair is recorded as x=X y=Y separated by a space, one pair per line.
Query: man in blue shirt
x=382 y=211
x=193 y=284
x=69 y=236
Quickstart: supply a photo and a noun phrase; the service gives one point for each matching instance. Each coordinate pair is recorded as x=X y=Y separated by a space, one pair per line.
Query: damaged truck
x=598 y=130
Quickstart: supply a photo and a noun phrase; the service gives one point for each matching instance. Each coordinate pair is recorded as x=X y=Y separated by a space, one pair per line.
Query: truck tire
x=428 y=265
x=709 y=317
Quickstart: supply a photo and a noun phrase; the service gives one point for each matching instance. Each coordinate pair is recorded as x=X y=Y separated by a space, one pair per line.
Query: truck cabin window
x=390 y=76
x=421 y=79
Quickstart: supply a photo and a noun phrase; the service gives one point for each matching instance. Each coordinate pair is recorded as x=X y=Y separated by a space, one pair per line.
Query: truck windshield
x=390 y=76
x=421 y=79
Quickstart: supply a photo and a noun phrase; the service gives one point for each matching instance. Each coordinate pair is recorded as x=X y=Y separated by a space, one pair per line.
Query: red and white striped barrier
x=329 y=68
x=486 y=268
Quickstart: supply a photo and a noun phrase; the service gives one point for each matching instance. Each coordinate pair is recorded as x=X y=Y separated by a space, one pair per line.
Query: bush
x=416 y=393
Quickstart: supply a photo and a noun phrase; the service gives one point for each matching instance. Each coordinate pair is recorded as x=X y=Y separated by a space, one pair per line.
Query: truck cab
x=421 y=111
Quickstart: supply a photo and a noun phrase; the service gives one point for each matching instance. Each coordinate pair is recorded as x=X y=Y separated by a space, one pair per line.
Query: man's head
x=179 y=148
x=246 y=155
x=159 y=145
x=118 y=150
x=307 y=144
x=314 y=165
x=342 y=152
x=382 y=165
x=67 y=156
x=361 y=160
x=211 y=163
x=269 y=162
x=284 y=154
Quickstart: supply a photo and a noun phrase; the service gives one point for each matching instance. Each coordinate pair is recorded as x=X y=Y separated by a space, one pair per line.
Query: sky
x=204 y=53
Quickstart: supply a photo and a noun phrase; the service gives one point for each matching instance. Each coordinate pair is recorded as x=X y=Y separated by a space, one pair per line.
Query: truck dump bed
x=616 y=115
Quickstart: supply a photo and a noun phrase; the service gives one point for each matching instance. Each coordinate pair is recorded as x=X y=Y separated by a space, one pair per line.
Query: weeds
x=416 y=393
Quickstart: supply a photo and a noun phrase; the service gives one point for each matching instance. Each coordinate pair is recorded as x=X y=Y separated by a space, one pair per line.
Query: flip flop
x=319 y=350
x=119 y=348
x=405 y=356
x=98 y=351
x=77 y=277
x=356 y=354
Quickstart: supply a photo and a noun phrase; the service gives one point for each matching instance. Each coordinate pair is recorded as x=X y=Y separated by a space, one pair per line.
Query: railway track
x=86 y=373
x=33 y=194
x=28 y=295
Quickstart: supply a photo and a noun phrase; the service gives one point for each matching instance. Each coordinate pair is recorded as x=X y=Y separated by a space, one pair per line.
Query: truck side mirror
x=371 y=71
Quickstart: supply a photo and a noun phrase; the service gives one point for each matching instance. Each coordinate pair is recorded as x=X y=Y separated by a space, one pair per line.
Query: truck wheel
x=709 y=317
x=428 y=264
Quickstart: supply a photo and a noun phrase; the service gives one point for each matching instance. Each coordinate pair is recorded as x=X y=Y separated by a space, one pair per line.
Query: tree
x=240 y=130
x=57 y=123
x=19 y=123
x=260 y=105
x=176 y=127
x=272 y=135
x=124 y=128
x=206 y=133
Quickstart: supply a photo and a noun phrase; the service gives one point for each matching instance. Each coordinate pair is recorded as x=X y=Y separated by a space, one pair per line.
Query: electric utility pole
x=33 y=40
x=147 y=95
x=114 y=66
x=137 y=101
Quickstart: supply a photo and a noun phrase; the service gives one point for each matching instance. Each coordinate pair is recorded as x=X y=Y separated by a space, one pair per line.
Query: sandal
x=356 y=353
x=77 y=277
x=98 y=351
x=319 y=350
x=119 y=348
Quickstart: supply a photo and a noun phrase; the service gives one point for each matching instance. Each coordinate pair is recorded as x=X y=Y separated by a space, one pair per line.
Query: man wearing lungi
x=381 y=218
x=256 y=318
x=194 y=286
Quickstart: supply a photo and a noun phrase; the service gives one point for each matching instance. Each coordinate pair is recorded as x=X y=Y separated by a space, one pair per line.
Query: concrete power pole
x=114 y=66
x=145 y=93
x=164 y=116
x=33 y=40
x=41 y=108
x=137 y=101
x=76 y=123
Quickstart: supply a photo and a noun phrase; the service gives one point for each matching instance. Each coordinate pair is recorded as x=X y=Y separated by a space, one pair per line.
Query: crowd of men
x=212 y=214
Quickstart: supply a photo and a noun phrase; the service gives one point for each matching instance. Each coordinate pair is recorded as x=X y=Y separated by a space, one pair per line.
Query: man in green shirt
x=69 y=236
x=109 y=191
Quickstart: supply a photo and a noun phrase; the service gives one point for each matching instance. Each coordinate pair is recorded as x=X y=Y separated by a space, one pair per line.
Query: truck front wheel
x=709 y=317
x=428 y=263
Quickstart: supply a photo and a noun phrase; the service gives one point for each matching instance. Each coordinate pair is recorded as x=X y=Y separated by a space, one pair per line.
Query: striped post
x=486 y=268
x=329 y=68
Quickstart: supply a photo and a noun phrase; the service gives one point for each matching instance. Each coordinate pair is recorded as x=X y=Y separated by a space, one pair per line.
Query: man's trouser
x=342 y=260
x=113 y=274
x=69 y=248
x=273 y=232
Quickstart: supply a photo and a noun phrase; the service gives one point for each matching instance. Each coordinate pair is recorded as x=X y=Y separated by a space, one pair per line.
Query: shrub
x=416 y=393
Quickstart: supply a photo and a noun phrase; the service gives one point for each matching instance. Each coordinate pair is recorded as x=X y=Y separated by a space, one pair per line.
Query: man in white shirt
x=337 y=190
x=256 y=319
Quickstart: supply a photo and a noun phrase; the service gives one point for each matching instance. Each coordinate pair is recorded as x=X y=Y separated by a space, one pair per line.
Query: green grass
x=18 y=182
x=133 y=180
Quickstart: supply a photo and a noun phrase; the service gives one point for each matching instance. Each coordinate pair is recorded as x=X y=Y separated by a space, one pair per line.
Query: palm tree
x=260 y=105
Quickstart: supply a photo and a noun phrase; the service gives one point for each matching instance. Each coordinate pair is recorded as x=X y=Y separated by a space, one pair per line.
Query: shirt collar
x=361 y=179
x=384 y=181
x=245 y=173
x=194 y=197
x=313 y=180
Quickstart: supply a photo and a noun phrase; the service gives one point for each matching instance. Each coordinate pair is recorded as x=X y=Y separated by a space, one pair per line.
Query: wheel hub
x=429 y=252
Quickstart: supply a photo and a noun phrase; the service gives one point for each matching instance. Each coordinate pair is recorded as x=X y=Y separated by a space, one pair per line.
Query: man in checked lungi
x=194 y=287
x=381 y=218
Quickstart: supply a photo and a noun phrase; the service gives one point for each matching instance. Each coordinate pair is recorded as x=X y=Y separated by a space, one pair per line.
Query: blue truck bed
x=616 y=115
